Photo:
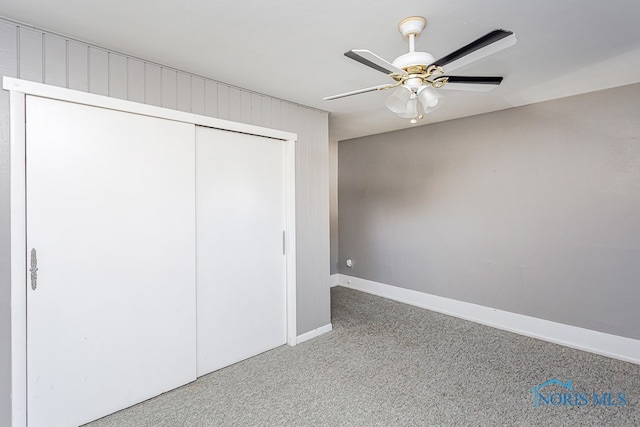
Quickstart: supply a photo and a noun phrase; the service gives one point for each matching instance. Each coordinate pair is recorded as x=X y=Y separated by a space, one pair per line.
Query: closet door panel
x=241 y=282
x=111 y=215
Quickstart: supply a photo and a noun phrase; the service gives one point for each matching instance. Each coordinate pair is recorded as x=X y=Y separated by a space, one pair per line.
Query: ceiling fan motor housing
x=413 y=58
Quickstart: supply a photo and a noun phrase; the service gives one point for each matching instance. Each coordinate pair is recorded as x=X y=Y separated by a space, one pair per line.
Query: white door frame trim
x=18 y=91
x=18 y=260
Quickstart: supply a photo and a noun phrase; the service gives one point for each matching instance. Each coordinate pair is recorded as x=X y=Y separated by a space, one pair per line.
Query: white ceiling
x=293 y=49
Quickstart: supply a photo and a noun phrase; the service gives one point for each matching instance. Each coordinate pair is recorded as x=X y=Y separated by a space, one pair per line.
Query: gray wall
x=35 y=55
x=534 y=210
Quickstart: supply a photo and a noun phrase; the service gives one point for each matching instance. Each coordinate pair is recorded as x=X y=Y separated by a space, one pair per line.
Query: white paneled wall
x=36 y=55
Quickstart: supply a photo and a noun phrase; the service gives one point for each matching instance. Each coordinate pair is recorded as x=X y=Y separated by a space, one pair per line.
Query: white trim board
x=616 y=347
x=314 y=333
x=78 y=97
x=334 y=280
x=18 y=261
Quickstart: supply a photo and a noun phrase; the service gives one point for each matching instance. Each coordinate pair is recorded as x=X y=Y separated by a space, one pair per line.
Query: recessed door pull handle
x=34 y=269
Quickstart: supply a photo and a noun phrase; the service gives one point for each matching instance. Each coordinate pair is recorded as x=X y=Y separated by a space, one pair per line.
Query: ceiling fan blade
x=486 y=45
x=473 y=84
x=357 y=92
x=372 y=60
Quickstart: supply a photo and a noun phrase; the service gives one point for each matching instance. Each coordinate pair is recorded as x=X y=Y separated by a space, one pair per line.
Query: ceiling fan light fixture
x=411 y=109
x=428 y=98
x=397 y=101
x=428 y=110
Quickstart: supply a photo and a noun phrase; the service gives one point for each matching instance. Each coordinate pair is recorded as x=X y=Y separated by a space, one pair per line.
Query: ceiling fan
x=418 y=74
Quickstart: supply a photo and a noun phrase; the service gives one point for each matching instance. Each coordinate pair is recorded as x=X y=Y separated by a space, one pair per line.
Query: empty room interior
x=319 y=213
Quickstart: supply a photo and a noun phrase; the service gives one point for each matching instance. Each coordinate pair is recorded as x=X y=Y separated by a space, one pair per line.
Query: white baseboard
x=333 y=280
x=314 y=333
x=613 y=346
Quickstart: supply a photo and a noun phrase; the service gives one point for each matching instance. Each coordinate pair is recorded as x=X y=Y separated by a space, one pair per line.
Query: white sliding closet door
x=241 y=282
x=111 y=214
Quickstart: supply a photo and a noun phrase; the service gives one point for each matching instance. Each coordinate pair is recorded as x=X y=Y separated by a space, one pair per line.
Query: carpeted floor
x=390 y=364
